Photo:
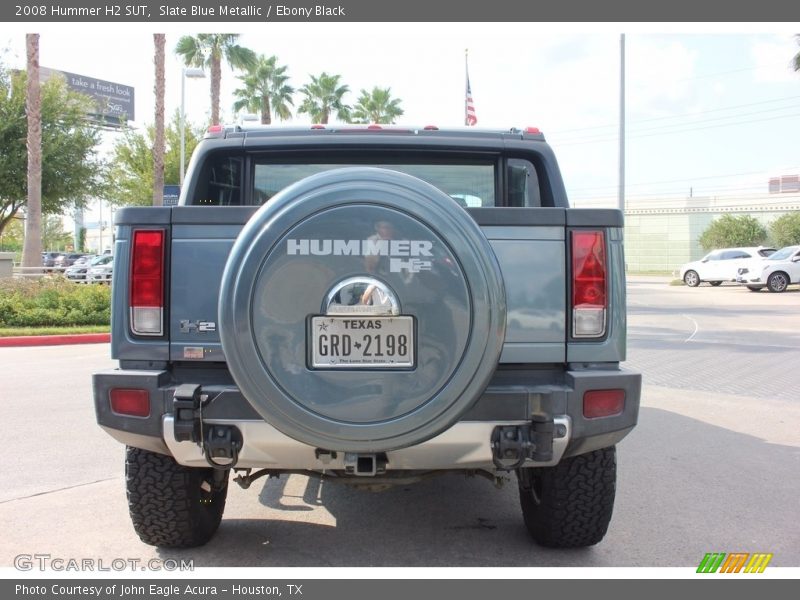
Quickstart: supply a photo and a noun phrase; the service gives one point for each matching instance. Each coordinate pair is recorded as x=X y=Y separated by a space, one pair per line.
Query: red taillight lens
x=147 y=281
x=603 y=403
x=133 y=403
x=589 y=286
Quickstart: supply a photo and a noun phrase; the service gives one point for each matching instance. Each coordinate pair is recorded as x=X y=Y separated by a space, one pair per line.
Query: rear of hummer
x=370 y=306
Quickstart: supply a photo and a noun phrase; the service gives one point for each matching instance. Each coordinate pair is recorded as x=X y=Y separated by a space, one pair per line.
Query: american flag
x=470 y=118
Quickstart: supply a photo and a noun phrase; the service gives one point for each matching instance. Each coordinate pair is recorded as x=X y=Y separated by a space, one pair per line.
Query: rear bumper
x=511 y=398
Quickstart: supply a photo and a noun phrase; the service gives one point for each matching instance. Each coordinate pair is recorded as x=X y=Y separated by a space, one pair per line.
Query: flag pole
x=470 y=118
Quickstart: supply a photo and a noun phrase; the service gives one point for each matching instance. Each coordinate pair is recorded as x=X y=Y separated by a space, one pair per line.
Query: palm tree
x=377 y=106
x=208 y=50
x=32 y=246
x=159 y=41
x=266 y=91
x=796 y=59
x=323 y=96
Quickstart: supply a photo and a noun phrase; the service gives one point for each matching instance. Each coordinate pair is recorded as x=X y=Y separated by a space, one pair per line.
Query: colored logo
x=734 y=562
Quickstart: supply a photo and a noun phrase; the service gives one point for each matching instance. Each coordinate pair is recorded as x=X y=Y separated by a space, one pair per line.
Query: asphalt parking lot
x=712 y=466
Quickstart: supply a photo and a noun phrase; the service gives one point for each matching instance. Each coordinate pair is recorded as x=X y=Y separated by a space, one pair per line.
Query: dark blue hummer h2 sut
x=371 y=306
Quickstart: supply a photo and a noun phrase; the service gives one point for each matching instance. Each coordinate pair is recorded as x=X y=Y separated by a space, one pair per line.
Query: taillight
x=589 y=285
x=147 y=282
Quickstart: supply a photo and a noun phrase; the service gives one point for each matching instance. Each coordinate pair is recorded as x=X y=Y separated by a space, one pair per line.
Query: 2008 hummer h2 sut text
x=370 y=306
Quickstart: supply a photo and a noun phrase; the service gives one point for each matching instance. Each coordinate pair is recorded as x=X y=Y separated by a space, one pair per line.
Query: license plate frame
x=362 y=342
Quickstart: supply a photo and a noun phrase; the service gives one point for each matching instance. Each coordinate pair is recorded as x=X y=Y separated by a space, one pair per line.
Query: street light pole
x=621 y=198
x=195 y=74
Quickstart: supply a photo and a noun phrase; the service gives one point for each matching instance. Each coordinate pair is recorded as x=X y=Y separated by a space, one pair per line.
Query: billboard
x=113 y=102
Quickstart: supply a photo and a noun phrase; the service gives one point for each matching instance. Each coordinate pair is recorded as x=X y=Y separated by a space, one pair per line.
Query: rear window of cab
x=472 y=183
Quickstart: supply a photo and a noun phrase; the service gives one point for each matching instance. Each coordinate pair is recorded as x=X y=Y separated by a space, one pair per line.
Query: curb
x=54 y=340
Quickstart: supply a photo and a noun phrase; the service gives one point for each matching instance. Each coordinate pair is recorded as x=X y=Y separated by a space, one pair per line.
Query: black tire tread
x=166 y=503
x=576 y=500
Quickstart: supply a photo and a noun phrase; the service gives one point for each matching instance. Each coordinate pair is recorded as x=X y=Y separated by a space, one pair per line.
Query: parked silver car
x=80 y=268
x=102 y=270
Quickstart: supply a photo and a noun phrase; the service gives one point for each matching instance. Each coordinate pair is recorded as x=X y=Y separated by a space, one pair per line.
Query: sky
x=710 y=111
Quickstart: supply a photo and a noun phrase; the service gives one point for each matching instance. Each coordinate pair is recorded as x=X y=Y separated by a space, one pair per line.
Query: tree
x=323 y=96
x=208 y=50
x=129 y=180
x=729 y=231
x=265 y=91
x=785 y=230
x=159 y=41
x=376 y=106
x=11 y=237
x=796 y=59
x=32 y=248
x=53 y=235
x=70 y=168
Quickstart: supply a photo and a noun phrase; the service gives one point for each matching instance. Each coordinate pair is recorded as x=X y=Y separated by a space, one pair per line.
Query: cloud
x=659 y=74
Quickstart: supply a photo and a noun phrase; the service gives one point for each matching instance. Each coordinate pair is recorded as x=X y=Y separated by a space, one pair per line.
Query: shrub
x=53 y=301
x=730 y=232
x=785 y=230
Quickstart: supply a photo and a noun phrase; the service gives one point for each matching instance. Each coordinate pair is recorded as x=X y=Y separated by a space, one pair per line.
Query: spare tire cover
x=314 y=235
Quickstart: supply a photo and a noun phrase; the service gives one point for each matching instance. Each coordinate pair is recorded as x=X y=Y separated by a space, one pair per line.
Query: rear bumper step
x=524 y=418
x=465 y=445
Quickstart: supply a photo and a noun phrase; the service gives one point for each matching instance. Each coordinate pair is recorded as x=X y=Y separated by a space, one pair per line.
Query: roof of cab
x=267 y=131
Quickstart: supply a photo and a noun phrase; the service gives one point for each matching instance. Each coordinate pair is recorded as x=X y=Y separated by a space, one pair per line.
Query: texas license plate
x=385 y=342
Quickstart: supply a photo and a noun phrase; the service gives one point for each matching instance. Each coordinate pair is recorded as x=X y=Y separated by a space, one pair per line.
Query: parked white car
x=721 y=265
x=775 y=273
x=102 y=270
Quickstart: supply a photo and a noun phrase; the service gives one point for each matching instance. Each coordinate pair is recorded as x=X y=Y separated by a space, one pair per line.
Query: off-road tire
x=570 y=505
x=172 y=506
